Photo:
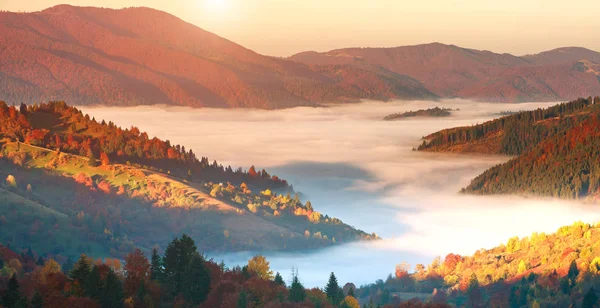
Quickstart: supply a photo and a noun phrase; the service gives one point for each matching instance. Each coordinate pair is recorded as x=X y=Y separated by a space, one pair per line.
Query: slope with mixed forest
x=139 y=56
x=556 y=150
x=542 y=270
x=70 y=184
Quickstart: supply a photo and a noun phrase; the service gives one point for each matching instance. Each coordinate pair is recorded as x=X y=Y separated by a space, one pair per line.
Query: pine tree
x=12 y=296
x=142 y=291
x=351 y=292
x=473 y=290
x=196 y=280
x=385 y=297
x=573 y=272
x=156 y=266
x=112 y=291
x=590 y=299
x=242 y=301
x=297 y=293
x=279 y=280
x=81 y=269
x=93 y=284
x=332 y=289
x=177 y=258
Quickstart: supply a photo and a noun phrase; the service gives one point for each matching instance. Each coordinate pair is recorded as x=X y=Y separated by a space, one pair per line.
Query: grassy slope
x=186 y=206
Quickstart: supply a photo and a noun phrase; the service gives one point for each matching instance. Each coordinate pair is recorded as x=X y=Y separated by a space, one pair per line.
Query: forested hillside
x=431 y=112
x=71 y=185
x=510 y=135
x=543 y=270
x=556 y=151
x=181 y=277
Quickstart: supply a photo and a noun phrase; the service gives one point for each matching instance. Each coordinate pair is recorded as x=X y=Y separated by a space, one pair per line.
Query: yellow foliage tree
x=350 y=301
x=259 y=266
x=522 y=267
x=50 y=267
x=11 y=181
x=595 y=266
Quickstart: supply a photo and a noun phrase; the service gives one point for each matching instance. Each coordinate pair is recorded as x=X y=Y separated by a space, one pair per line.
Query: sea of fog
x=353 y=165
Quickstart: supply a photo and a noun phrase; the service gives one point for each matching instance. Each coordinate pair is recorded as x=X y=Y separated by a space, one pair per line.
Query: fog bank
x=352 y=165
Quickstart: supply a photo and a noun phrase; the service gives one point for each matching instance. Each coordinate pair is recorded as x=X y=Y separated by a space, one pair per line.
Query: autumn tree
x=104 y=159
x=136 y=271
x=259 y=266
x=349 y=302
x=11 y=181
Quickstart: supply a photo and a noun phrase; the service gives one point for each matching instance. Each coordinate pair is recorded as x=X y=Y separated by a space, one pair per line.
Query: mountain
x=542 y=270
x=72 y=185
x=143 y=56
x=556 y=151
x=452 y=71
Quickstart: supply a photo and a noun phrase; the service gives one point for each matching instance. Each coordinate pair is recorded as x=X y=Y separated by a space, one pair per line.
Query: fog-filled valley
x=353 y=165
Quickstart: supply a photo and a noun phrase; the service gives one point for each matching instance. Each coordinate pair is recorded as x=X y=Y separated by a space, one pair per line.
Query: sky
x=286 y=27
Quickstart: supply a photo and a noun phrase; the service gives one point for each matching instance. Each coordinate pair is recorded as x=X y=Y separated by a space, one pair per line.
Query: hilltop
x=542 y=270
x=452 y=71
x=555 y=149
x=73 y=185
x=141 y=56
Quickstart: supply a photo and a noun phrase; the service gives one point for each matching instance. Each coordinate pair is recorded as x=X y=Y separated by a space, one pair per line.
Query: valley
x=363 y=170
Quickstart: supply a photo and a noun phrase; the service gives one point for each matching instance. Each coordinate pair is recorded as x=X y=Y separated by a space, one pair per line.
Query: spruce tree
x=177 y=258
x=81 y=270
x=93 y=284
x=37 y=301
x=242 y=301
x=332 y=289
x=279 y=280
x=12 y=296
x=142 y=291
x=112 y=291
x=573 y=272
x=385 y=297
x=590 y=299
x=156 y=266
x=351 y=292
x=196 y=280
x=297 y=293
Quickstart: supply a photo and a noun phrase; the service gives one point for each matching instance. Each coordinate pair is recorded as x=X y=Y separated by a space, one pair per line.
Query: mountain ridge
x=139 y=56
x=143 y=56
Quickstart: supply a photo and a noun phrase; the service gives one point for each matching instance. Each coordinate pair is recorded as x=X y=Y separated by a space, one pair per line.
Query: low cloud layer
x=354 y=166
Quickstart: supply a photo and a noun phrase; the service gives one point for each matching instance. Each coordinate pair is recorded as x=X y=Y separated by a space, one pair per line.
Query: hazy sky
x=284 y=27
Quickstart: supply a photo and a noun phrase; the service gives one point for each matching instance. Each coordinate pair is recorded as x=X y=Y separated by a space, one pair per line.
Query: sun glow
x=216 y=6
